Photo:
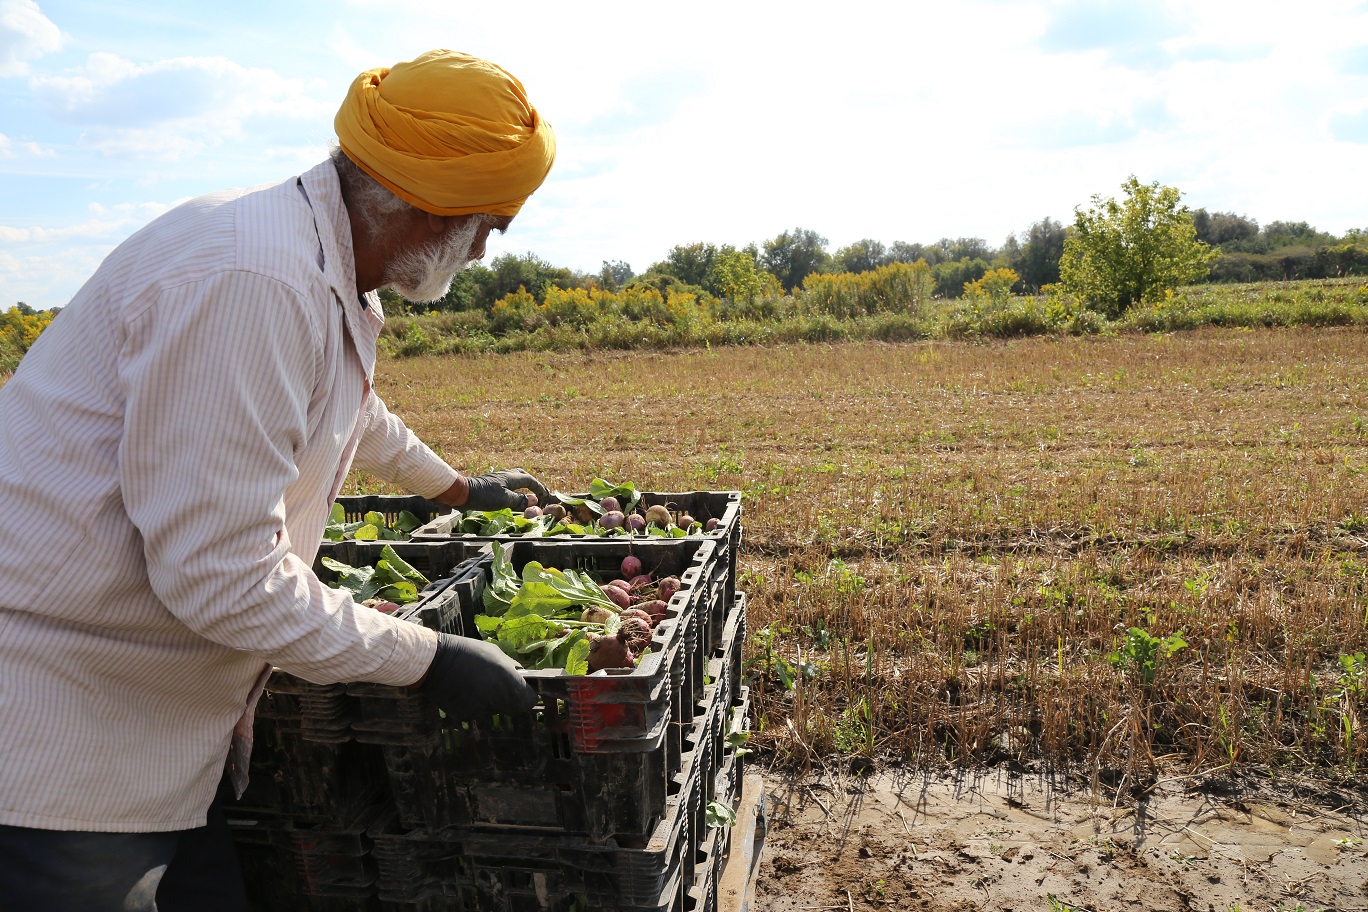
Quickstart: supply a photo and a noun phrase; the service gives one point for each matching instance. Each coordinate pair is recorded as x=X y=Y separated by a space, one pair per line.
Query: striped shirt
x=169 y=451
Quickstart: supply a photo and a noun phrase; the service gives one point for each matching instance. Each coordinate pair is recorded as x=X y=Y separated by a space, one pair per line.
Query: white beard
x=425 y=274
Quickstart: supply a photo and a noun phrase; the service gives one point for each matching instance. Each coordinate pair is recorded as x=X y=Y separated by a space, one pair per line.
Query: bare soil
x=1018 y=841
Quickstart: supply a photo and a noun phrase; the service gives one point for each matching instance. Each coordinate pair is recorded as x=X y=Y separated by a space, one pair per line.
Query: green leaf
x=402 y=567
x=406 y=521
x=498 y=595
x=333 y=533
x=337 y=515
x=399 y=593
x=577 y=661
x=627 y=494
x=375 y=519
x=367 y=532
x=548 y=591
x=719 y=815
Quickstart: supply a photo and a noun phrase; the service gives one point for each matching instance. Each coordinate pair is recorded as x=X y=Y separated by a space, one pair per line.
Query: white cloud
x=171 y=108
x=39 y=151
x=5 y=144
x=25 y=34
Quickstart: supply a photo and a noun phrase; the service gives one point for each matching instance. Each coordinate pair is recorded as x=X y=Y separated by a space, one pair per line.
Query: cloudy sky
x=725 y=122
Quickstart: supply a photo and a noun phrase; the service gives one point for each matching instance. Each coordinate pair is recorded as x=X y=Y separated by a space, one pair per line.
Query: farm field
x=1126 y=561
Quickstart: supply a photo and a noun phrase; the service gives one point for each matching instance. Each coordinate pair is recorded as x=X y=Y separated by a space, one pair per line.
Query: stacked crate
x=599 y=799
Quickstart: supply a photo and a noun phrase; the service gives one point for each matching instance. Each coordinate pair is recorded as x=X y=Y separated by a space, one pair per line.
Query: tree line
x=1240 y=250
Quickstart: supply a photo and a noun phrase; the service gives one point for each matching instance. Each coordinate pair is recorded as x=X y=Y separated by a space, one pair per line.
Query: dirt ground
x=1018 y=841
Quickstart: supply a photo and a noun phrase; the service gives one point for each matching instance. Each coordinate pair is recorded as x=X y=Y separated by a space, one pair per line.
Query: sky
x=723 y=122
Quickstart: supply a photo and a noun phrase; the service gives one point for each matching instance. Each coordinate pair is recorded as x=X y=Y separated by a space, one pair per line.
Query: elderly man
x=170 y=448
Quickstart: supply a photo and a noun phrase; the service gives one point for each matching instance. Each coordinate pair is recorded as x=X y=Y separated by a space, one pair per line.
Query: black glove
x=470 y=678
x=499 y=491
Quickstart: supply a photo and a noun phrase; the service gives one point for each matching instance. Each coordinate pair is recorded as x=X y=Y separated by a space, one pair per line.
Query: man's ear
x=438 y=223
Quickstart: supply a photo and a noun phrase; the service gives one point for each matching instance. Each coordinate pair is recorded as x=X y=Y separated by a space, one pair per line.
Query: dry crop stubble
x=950 y=543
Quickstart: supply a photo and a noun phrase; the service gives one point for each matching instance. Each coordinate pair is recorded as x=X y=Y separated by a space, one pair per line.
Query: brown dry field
x=991 y=519
x=946 y=542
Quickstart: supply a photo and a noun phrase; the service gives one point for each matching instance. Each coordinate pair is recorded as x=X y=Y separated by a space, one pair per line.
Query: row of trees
x=1142 y=228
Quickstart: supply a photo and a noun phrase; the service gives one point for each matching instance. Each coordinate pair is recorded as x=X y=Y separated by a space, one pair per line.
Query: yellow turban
x=450 y=133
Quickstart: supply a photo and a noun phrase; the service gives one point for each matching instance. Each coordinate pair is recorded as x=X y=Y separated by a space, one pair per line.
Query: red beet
x=710 y=525
x=667 y=588
x=631 y=566
x=612 y=520
x=609 y=651
x=656 y=609
x=532 y=512
x=619 y=583
x=610 y=505
x=618 y=596
x=636 y=522
x=639 y=582
x=635 y=634
x=637 y=613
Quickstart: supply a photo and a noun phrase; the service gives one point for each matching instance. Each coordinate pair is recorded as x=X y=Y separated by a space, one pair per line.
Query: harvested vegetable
x=391 y=579
x=371 y=527
x=549 y=618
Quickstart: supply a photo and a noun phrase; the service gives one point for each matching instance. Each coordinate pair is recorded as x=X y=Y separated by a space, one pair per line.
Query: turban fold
x=450 y=133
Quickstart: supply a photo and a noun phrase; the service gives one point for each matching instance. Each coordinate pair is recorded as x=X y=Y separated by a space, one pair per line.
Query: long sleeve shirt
x=169 y=451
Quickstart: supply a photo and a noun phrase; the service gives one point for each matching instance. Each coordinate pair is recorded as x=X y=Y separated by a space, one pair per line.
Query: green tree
x=614 y=275
x=864 y=255
x=1037 y=258
x=736 y=277
x=1122 y=253
x=795 y=255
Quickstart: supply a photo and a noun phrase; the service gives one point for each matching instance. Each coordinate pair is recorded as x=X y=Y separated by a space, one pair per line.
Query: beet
x=612 y=520
x=596 y=614
x=620 y=583
x=637 y=613
x=656 y=609
x=636 y=522
x=667 y=588
x=639 y=582
x=635 y=634
x=610 y=505
x=555 y=511
x=686 y=521
x=609 y=651
x=532 y=512
x=631 y=566
x=710 y=525
x=658 y=515
x=618 y=596
x=583 y=514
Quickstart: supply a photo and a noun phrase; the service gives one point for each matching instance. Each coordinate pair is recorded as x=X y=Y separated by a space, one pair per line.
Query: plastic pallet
x=724 y=506
x=512 y=871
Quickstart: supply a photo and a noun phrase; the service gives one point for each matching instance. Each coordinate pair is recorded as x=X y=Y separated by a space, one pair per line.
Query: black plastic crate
x=530 y=771
x=298 y=779
x=501 y=871
x=325 y=712
x=593 y=712
x=724 y=506
x=286 y=867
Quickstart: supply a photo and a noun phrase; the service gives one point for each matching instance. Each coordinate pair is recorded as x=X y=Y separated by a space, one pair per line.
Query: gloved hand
x=499 y=491
x=470 y=678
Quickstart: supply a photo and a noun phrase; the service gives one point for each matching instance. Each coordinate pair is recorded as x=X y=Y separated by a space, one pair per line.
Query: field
x=1125 y=560
x=1110 y=551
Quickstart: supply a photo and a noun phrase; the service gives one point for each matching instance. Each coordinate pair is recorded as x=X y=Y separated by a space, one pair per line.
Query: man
x=171 y=447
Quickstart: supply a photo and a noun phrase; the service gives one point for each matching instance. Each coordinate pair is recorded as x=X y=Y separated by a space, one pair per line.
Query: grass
x=1132 y=551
